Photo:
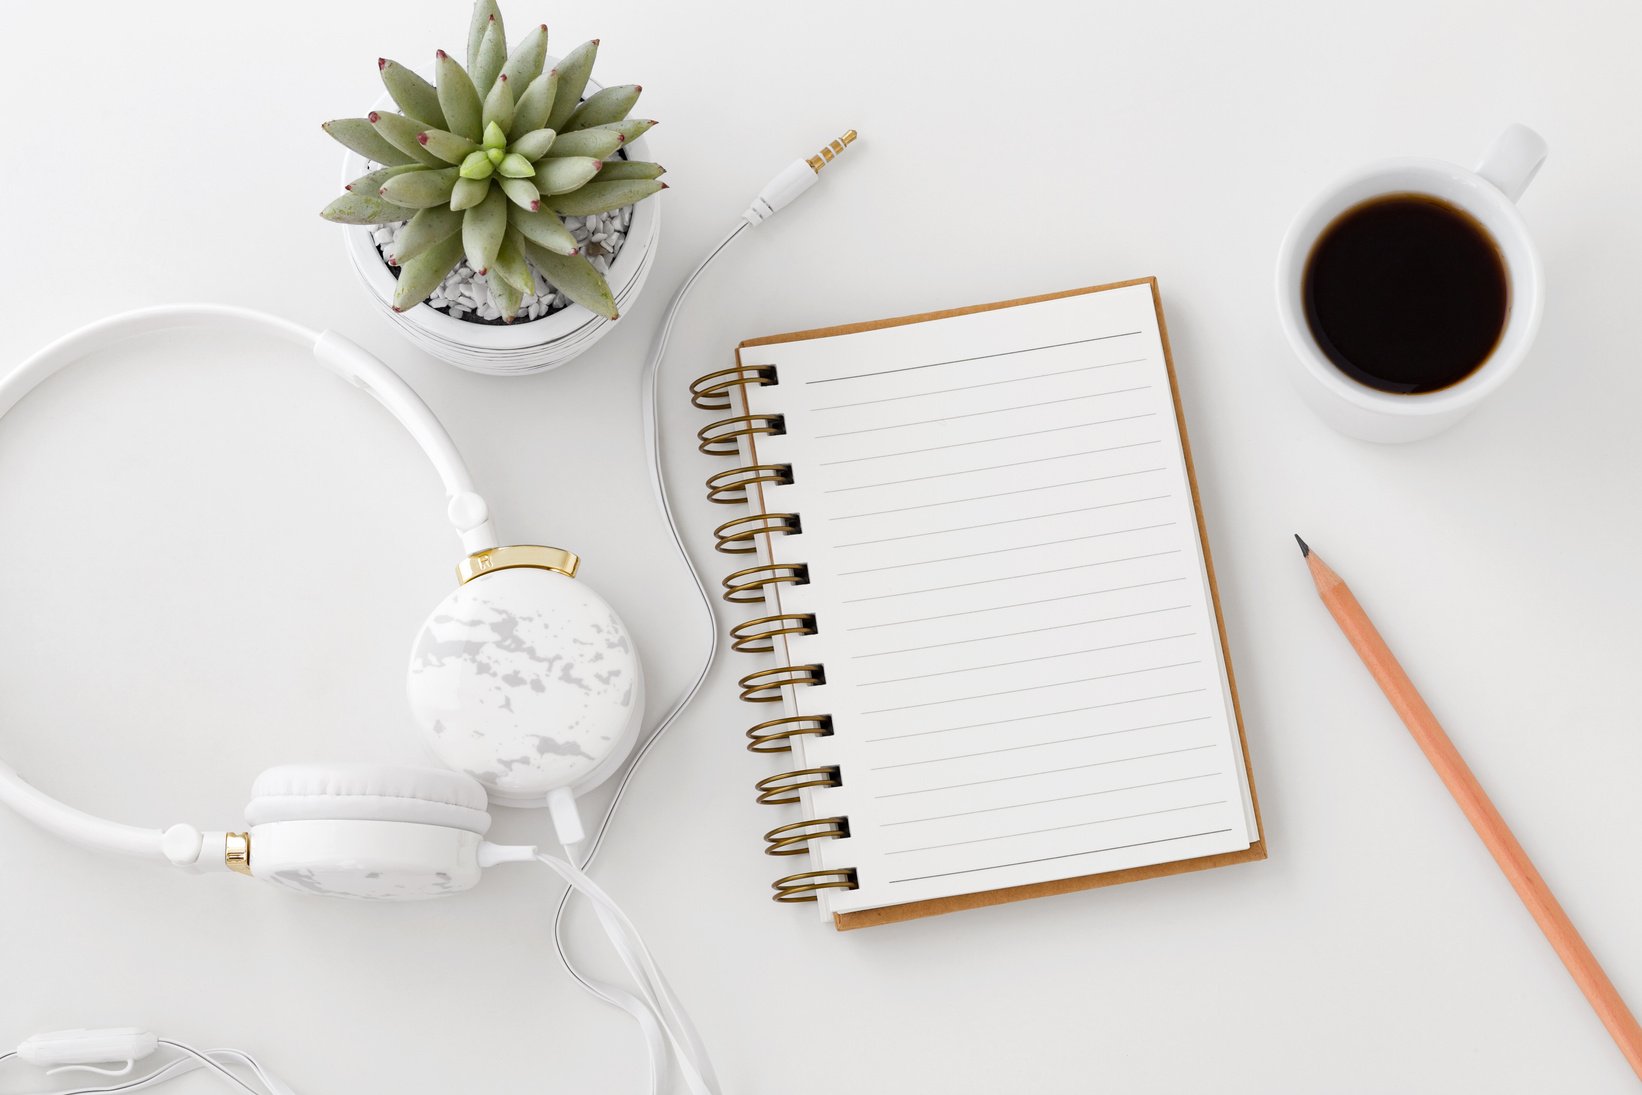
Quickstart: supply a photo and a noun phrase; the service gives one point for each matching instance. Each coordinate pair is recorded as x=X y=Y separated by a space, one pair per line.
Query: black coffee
x=1406 y=293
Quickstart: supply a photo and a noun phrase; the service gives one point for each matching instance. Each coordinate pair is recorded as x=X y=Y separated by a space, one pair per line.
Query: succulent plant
x=485 y=161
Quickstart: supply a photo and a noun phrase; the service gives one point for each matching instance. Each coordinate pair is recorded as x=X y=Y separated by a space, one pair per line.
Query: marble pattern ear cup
x=526 y=680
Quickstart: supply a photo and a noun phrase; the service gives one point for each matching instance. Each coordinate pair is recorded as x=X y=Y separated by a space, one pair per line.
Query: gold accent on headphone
x=743 y=531
x=765 y=685
x=766 y=738
x=830 y=152
x=719 y=439
x=729 y=488
x=793 y=838
x=758 y=635
x=236 y=852
x=805 y=885
x=712 y=392
x=747 y=585
x=783 y=787
x=531 y=556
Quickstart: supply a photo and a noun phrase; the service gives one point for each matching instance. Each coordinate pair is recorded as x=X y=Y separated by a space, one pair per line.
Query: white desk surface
x=212 y=558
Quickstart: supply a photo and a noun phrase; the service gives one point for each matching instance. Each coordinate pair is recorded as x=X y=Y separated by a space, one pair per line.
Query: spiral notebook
x=988 y=634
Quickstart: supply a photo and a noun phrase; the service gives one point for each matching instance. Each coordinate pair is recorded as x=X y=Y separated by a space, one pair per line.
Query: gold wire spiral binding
x=794 y=837
x=712 y=391
x=729 y=488
x=749 y=584
x=758 y=635
x=765 y=685
x=783 y=787
x=775 y=735
x=739 y=535
x=719 y=438
x=807 y=885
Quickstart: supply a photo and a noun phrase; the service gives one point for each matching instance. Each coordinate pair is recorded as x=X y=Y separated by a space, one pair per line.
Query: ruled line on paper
x=1000 y=494
x=1027 y=661
x=1055 y=828
x=966 y=360
x=993 y=467
x=1041 y=744
x=1002 y=551
x=1032 y=688
x=1036 y=715
x=1046 y=801
x=1018 y=604
x=972 y=387
x=988 y=440
x=1017 y=634
x=981 y=414
x=1008 y=521
x=1047 y=772
x=1068 y=855
x=1010 y=577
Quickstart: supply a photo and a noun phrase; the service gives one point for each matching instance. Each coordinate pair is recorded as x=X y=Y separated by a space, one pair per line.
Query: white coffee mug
x=1489 y=195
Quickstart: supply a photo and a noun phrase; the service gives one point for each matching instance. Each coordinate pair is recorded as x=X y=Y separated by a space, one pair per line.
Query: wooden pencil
x=1479 y=811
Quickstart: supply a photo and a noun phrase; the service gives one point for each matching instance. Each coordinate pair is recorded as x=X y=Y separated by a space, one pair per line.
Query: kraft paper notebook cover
x=985 y=618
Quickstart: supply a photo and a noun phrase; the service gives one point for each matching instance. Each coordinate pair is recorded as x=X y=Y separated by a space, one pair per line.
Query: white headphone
x=525 y=682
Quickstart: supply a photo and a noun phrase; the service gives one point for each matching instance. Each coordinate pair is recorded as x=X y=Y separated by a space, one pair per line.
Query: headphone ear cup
x=529 y=682
x=374 y=831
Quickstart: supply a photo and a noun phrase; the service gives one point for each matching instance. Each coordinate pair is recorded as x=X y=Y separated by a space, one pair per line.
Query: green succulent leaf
x=531 y=111
x=361 y=136
x=511 y=263
x=515 y=166
x=604 y=107
x=545 y=230
x=631 y=129
x=476 y=166
x=457 y=98
x=482 y=229
x=421 y=275
x=484 y=68
x=576 y=278
x=495 y=136
x=468 y=193
x=421 y=189
x=602 y=197
x=447 y=146
x=371 y=181
x=597 y=143
x=559 y=176
x=505 y=294
x=522 y=192
x=430 y=226
x=533 y=145
x=526 y=61
x=405 y=135
x=574 y=72
x=415 y=96
x=629 y=169
x=485 y=12
x=495 y=155
x=352 y=208
x=499 y=108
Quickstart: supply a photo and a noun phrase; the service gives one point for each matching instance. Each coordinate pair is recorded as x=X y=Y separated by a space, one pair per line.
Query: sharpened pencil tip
x=1305 y=548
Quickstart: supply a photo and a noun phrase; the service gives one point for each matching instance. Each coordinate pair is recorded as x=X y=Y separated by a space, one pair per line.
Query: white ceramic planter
x=524 y=346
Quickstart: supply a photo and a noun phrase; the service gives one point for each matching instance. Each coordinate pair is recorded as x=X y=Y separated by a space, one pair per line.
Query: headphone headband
x=466 y=509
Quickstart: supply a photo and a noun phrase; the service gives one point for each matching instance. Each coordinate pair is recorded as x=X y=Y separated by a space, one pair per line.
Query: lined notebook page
x=1023 y=665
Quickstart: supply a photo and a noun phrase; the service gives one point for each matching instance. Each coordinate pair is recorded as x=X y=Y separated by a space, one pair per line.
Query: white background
x=213 y=557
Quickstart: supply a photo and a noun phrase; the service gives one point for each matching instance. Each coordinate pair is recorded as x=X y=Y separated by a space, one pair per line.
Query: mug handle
x=1514 y=159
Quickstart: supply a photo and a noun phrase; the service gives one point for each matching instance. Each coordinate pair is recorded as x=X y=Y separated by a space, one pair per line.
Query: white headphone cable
x=191 y=1060
x=784 y=188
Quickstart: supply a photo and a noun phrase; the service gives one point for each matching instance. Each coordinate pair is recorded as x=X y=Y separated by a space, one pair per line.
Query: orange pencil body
x=1479 y=810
